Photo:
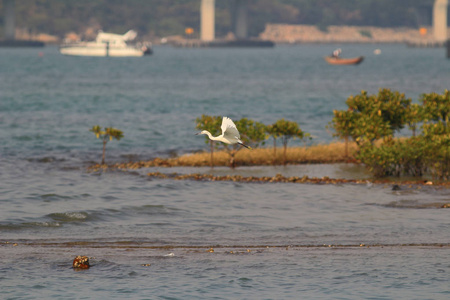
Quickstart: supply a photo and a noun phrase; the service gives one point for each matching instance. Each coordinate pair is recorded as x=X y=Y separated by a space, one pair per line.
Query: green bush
x=395 y=157
x=371 y=117
x=377 y=117
x=252 y=132
x=107 y=134
x=285 y=130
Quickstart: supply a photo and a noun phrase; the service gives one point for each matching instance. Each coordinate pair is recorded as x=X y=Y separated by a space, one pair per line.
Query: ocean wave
x=55 y=197
x=69 y=216
x=26 y=225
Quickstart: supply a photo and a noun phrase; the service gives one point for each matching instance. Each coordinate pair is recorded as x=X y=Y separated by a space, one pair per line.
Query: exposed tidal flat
x=162 y=238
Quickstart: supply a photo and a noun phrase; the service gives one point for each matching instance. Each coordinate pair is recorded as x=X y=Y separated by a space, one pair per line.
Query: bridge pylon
x=440 y=31
x=207 y=20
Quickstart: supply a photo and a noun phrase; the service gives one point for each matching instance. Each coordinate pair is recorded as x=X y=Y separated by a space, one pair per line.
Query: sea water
x=150 y=238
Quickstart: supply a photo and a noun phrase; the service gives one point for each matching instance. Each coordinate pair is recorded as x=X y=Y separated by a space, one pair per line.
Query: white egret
x=230 y=134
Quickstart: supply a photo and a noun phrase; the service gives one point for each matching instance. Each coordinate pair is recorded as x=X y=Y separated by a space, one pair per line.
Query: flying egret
x=230 y=134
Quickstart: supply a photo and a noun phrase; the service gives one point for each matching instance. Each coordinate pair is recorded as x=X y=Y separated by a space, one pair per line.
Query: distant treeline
x=160 y=18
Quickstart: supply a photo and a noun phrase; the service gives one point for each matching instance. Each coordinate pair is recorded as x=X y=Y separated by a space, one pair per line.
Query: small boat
x=344 y=61
x=108 y=44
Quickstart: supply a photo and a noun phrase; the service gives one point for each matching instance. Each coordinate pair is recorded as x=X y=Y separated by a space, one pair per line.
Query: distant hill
x=159 y=18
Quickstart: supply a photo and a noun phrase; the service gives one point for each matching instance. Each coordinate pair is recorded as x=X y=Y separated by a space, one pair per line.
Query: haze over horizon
x=159 y=18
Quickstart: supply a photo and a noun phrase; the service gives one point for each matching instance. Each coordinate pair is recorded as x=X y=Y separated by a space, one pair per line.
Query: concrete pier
x=220 y=43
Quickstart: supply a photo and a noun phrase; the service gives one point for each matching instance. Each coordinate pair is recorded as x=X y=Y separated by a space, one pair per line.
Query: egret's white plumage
x=230 y=134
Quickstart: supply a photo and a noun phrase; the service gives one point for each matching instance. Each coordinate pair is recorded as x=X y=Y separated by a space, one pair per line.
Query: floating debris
x=81 y=262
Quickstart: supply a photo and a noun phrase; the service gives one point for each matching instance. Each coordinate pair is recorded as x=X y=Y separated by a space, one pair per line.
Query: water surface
x=151 y=238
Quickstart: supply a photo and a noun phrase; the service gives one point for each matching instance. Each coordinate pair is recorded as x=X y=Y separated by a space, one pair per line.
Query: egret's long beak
x=197 y=133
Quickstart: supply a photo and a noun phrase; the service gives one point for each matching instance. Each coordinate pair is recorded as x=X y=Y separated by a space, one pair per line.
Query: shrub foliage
x=285 y=130
x=107 y=134
x=372 y=120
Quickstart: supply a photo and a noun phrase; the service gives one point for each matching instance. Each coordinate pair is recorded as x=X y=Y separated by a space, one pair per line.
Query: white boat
x=108 y=44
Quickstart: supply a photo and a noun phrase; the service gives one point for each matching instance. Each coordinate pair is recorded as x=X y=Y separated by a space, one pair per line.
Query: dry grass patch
x=330 y=153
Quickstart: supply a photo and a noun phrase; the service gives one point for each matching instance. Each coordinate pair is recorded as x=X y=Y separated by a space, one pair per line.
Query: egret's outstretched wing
x=229 y=130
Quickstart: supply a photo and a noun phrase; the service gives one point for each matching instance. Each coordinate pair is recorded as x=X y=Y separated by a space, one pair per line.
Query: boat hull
x=344 y=61
x=103 y=51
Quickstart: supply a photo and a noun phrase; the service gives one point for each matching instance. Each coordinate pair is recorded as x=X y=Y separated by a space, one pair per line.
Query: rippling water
x=172 y=239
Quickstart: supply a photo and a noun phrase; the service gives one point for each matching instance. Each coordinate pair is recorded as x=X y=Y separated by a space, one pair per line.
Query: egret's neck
x=213 y=138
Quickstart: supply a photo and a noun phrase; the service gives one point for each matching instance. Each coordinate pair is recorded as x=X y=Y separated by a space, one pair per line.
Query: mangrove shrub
x=285 y=130
x=377 y=118
x=107 y=134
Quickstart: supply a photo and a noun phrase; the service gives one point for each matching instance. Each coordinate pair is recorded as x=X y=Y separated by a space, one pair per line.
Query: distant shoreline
x=299 y=34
